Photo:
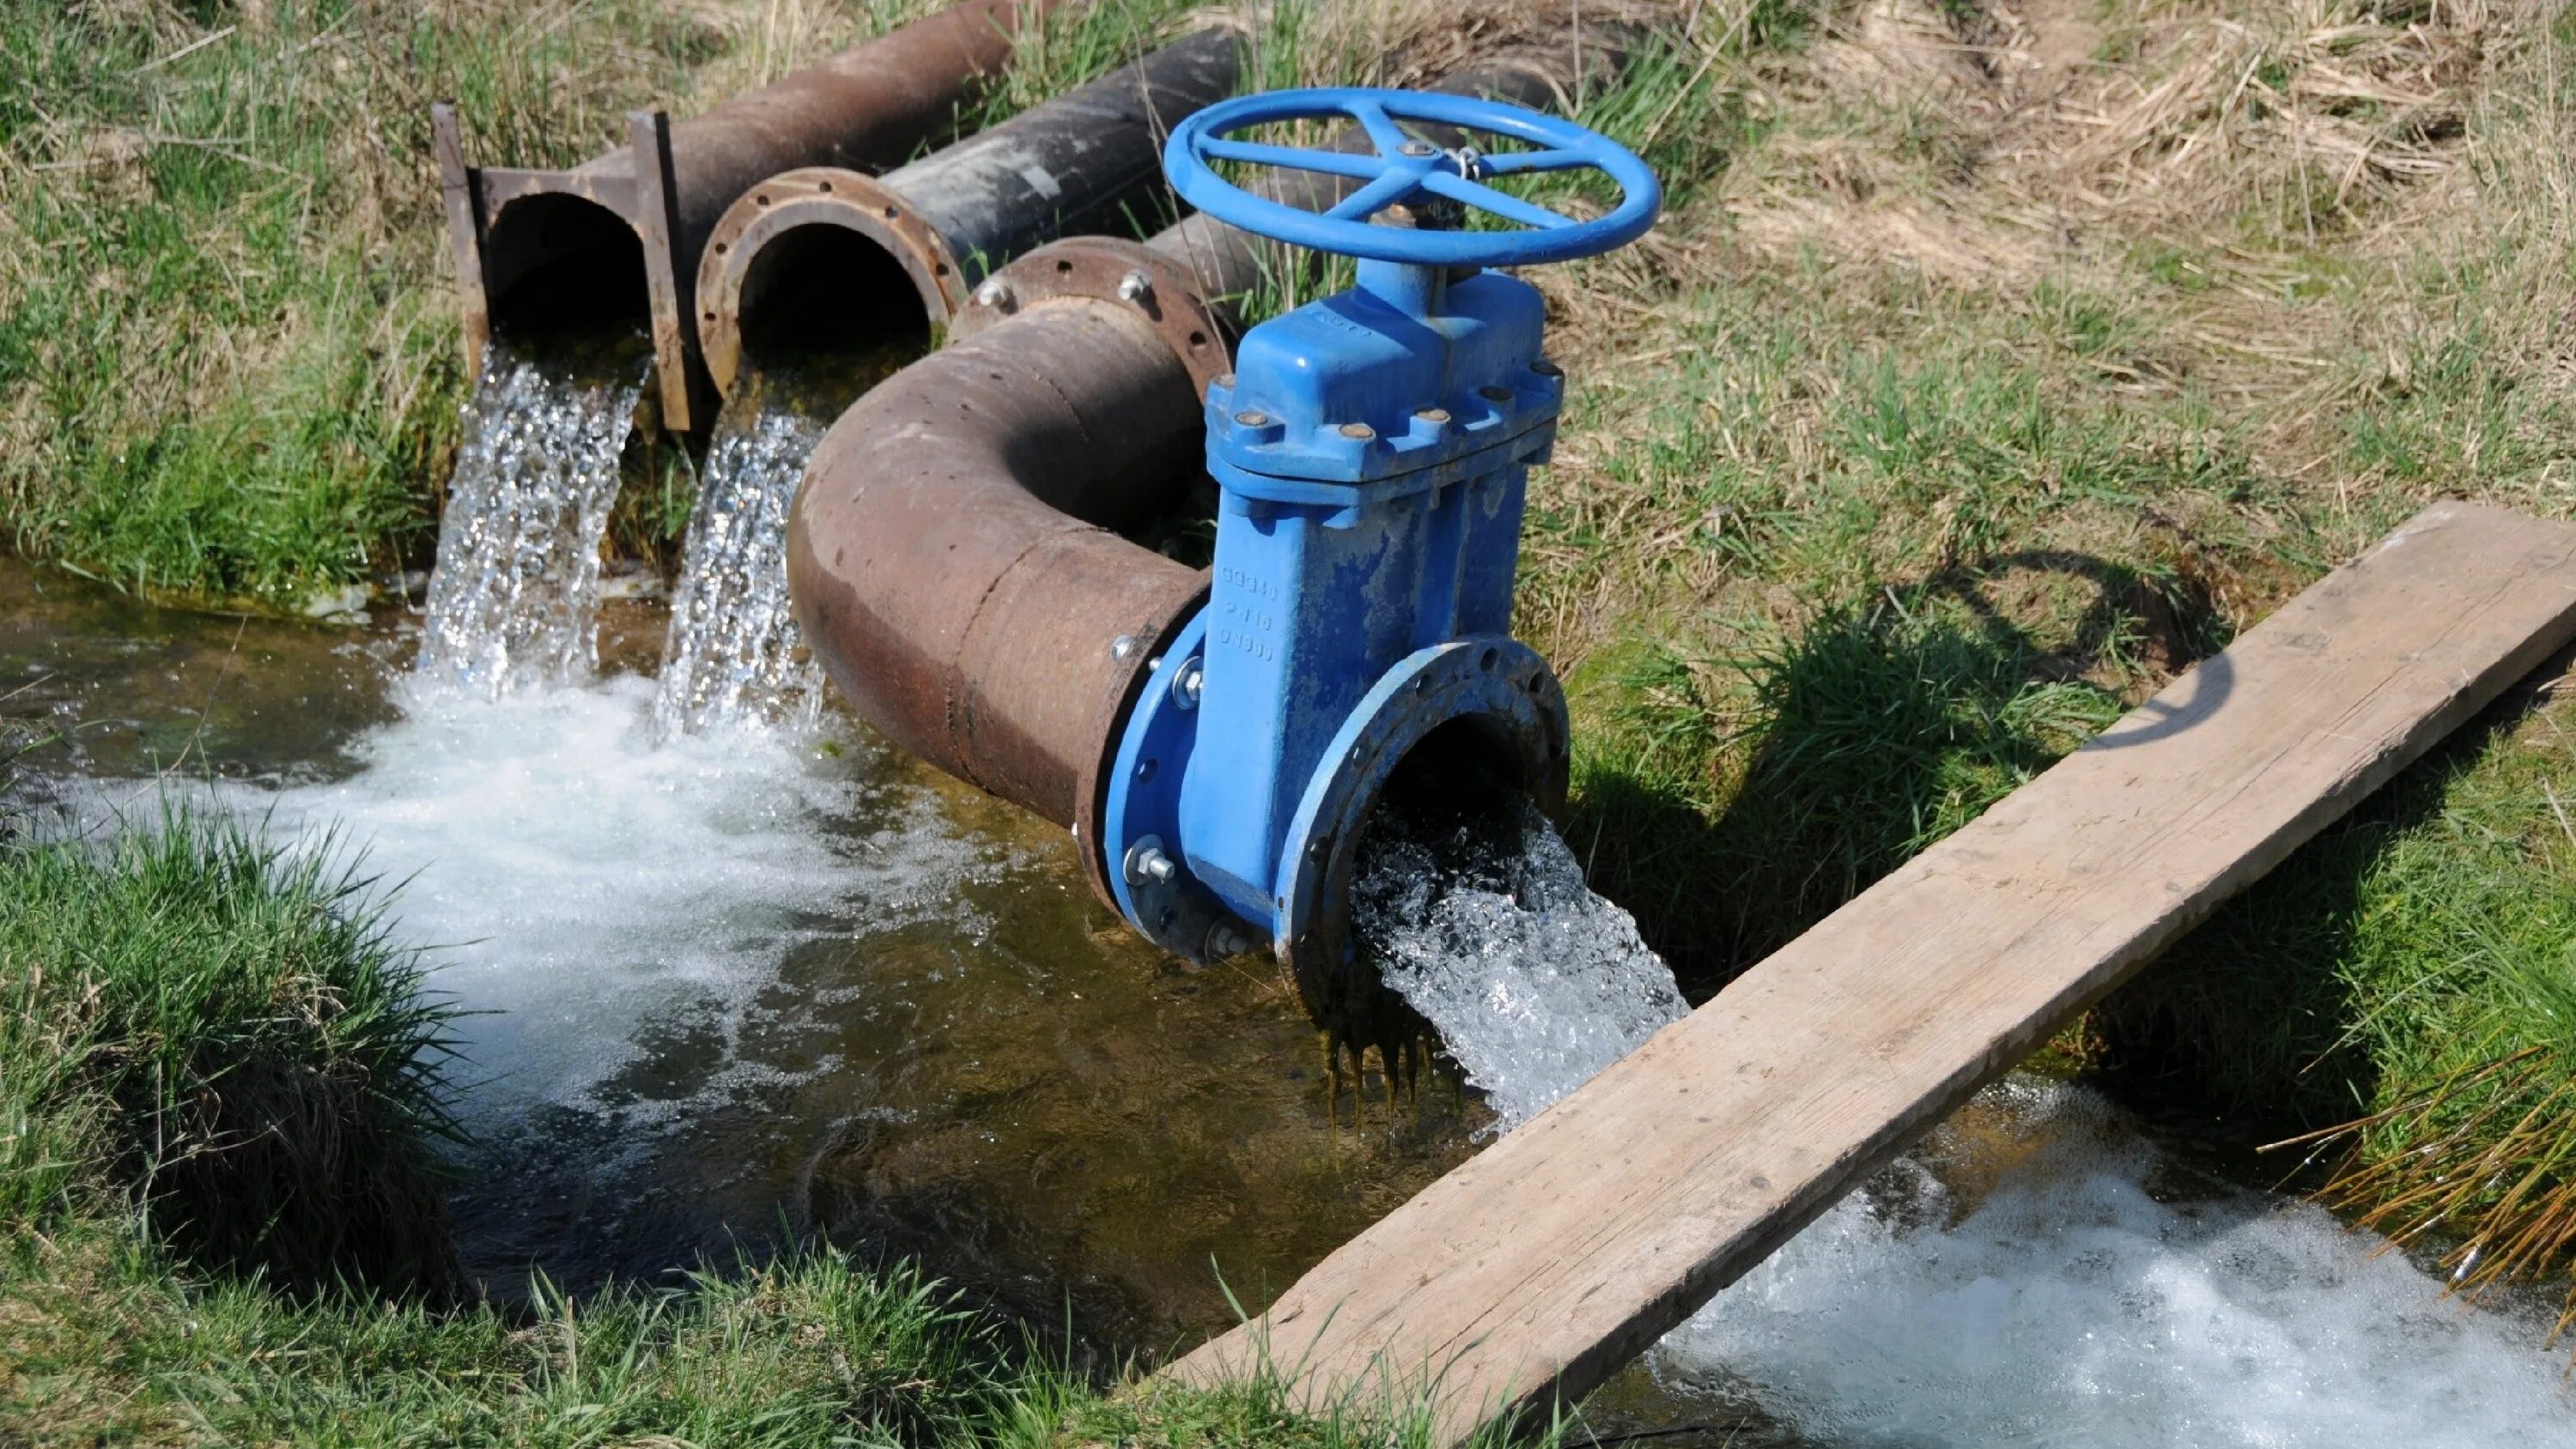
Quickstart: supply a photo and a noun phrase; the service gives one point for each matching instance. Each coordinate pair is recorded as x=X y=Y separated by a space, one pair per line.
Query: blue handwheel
x=1402 y=167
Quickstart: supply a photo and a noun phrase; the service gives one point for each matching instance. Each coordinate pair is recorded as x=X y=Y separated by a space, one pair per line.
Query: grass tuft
x=222 y=1030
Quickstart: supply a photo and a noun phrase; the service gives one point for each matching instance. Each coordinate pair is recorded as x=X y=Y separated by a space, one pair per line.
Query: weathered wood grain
x=1573 y=1243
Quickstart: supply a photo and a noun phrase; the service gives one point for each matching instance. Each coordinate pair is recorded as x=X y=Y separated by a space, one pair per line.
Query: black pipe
x=828 y=253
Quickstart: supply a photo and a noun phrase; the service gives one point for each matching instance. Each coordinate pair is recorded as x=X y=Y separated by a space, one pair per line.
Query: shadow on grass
x=2256 y=1017
x=1731 y=803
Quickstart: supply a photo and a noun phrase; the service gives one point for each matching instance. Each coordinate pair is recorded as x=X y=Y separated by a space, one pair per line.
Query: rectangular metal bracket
x=657 y=220
x=461 y=188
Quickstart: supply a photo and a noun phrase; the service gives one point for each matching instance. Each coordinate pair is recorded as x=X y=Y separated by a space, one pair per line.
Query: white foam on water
x=2081 y=1301
x=735 y=655
x=514 y=596
x=1533 y=982
x=584 y=879
x=2074 y=1299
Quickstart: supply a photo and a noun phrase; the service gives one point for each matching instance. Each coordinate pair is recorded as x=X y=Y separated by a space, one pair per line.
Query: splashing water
x=735 y=658
x=2038 y=1274
x=514 y=599
x=1533 y=982
x=735 y=655
x=581 y=881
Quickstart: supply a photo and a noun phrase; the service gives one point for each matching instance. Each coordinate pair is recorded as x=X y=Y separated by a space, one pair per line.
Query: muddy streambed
x=740 y=986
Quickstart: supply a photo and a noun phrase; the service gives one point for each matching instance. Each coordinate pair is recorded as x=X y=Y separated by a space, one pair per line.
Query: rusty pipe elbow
x=951 y=561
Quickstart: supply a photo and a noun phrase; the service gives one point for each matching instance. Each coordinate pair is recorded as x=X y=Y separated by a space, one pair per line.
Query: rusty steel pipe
x=950 y=554
x=1088 y=159
x=525 y=240
x=1199 y=268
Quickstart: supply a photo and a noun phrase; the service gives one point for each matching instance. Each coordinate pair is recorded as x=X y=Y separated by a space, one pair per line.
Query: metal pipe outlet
x=617 y=240
x=827 y=254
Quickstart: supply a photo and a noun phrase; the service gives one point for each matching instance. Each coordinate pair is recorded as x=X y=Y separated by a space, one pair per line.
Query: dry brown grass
x=2232 y=225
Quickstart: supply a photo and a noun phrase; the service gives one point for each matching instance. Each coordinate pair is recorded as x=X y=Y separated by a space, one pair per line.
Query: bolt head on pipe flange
x=729 y=270
x=1140 y=809
x=1127 y=275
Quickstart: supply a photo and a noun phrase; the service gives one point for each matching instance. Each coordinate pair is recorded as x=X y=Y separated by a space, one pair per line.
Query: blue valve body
x=1337 y=556
x=1372 y=452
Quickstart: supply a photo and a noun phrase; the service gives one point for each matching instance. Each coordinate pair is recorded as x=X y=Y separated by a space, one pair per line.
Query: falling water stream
x=735 y=657
x=514 y=600
x=1533 y=982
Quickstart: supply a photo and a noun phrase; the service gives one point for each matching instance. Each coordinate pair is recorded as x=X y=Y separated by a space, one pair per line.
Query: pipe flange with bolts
x=1124 y=274
x=816 y=195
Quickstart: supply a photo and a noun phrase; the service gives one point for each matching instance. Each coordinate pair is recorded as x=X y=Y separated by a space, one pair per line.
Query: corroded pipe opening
x=820 y=259
x=1473 y=772
x=557 y=263
x=1088 y=159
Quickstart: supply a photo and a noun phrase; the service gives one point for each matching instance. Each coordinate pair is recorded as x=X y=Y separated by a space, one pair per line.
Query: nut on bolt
x=1146 y=864
x=1135 y=287
x=1188 y=684
x=996 y=294
x=1226 y=940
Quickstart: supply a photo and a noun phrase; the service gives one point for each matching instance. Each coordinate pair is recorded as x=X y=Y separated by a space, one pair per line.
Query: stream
x=753 y=981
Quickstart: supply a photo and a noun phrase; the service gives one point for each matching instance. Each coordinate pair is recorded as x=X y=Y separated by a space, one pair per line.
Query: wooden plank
x=1572 y=1244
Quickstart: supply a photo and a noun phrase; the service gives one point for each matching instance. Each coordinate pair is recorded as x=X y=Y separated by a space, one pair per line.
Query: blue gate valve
x=1372 y=450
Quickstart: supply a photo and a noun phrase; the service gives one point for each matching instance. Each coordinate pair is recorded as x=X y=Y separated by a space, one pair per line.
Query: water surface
x=752 y=983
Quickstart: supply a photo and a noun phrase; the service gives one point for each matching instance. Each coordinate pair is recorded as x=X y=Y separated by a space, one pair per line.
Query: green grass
x=100 y=1342
x=235 y=1046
